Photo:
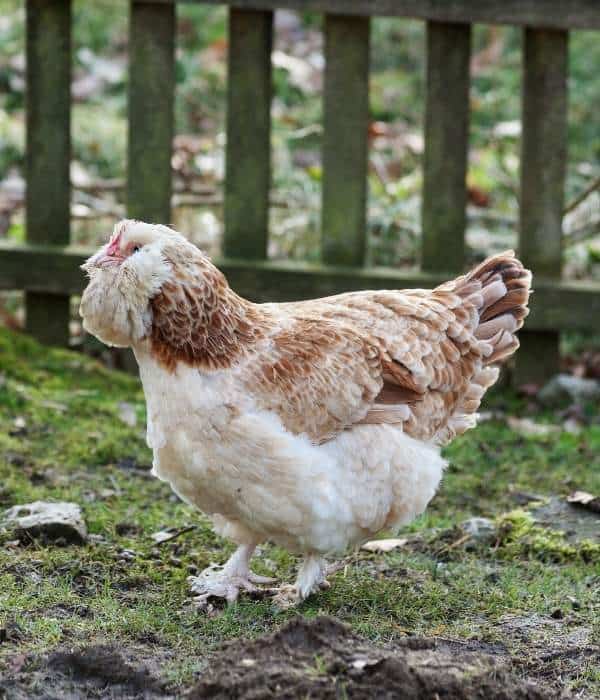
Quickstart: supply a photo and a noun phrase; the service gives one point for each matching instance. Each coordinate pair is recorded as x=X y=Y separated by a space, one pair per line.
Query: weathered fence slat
x=345 y=122
x=446 y=146
x=151 y=95
x=48 y=152
x=543 y=165
x=248 y=157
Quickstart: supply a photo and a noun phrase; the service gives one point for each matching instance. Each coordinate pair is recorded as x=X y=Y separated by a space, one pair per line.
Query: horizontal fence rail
x=557 y=14
x=48 y=269
x=555 y=304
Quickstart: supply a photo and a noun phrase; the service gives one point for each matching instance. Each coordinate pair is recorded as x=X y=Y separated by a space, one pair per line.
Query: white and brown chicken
x=314 y=424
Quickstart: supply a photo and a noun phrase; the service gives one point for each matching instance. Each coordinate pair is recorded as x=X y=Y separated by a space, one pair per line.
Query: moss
x=520 y=535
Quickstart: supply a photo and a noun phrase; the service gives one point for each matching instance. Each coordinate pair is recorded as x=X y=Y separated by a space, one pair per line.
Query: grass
x=62 y=438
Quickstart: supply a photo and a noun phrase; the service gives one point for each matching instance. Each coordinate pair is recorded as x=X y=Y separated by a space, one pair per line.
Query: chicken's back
x=440 y=348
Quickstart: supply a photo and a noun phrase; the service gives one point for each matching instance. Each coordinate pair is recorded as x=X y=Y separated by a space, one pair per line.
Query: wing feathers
x=422 y=359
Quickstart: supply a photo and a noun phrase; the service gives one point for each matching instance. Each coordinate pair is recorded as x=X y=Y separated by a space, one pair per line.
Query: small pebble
x=126 y=555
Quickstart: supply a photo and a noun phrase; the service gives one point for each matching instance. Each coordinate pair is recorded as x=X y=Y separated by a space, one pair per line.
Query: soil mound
x=322 y=659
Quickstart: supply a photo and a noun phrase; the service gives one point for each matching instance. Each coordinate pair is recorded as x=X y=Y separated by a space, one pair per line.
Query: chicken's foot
x=311 y=576
x=227 y=581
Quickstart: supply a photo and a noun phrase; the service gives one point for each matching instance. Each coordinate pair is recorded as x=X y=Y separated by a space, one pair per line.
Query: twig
x=579 y=235
x=176 y=534
x=595 y=184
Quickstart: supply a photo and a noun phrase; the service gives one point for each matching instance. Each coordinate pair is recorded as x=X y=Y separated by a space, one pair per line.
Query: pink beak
x=112 y=255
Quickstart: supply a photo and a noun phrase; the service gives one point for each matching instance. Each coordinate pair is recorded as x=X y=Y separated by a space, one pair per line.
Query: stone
x=578 y=524
x=48 y=521
x=481 y=530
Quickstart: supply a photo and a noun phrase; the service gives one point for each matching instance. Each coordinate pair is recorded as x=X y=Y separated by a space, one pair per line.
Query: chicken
x=314 y=424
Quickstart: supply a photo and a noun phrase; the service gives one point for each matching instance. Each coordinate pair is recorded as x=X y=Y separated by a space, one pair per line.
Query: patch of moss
x=521 y=535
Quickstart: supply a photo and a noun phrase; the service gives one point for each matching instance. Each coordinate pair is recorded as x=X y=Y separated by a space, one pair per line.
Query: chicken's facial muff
x=124 y=275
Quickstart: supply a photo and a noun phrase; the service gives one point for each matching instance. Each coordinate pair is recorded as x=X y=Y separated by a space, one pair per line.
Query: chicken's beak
x=107 y=260
x=105 y=257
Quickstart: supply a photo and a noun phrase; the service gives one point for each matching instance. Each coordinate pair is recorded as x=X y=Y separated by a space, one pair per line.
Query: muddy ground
x=319 y=659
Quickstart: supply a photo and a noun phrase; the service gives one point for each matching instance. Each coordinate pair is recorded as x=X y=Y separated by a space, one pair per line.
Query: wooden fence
x=47 y=267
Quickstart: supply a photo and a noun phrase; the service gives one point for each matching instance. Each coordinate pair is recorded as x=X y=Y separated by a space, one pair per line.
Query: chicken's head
x=125 y=274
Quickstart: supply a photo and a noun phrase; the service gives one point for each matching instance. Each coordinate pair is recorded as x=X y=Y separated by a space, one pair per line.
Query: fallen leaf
x=529 y=428
x=585 y=500
x=384 y=545
x=162 y=536
x=170 y=534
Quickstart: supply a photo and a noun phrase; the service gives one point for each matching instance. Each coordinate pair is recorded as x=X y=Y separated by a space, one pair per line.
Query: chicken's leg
x=311 y=576
x=228 y=580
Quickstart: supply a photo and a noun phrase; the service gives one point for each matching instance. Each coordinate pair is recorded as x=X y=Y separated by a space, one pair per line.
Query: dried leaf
x=162 y=536
x=585 y=500
x=529 y=428
x=384 y=545
x=170 y=534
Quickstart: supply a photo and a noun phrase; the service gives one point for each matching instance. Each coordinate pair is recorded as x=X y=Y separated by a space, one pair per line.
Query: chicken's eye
x=136 y=248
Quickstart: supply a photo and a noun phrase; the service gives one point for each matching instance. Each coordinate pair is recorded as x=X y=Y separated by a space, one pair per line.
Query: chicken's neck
x=207 y=326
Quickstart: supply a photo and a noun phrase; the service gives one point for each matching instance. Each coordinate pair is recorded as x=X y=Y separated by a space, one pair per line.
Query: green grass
x=75 y=447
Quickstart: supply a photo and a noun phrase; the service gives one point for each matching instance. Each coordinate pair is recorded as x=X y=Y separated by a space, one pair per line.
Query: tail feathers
x=499 y=288
x=497 y=292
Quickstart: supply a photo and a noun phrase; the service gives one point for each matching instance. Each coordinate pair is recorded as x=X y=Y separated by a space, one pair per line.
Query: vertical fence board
x=446 y=147
x=345 y=157
x=248 y=156
x=543 y=165
x=48 y=152
x=151 y=95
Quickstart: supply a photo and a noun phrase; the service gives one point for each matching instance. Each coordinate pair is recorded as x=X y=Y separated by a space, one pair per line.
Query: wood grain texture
x=555 y=304
x=248 y=155
x=543 y=167
x=48 y=152
x=151 y=95
x=557 y=14
x=346 y=120
x=446 y=146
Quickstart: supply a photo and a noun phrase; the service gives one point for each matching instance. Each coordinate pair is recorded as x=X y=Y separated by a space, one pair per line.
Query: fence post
x=248 y=157
x=543 y=165
x=151 y=95
x=48 y=153
x=446 y=147
x=345 y=157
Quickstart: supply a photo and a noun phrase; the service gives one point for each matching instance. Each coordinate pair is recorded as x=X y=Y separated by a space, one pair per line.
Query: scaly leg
x=311 y=576
x=228 y=580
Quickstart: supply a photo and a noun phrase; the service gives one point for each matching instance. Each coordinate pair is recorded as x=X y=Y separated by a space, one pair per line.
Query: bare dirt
x=318 y=659
x=323 y=659
x=101 y=671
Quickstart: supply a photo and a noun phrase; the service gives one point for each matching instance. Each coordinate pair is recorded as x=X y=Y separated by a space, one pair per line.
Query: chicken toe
x=226 y=582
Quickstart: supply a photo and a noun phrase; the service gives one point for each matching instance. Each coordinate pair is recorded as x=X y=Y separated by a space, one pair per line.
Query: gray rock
x=480 y=530
x=577 y=524
x=566 y=388
x=51 y=521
